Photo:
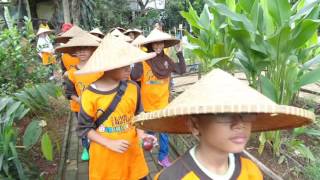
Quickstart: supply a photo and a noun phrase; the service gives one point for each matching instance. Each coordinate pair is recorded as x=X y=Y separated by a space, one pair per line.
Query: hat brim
x=173 y=120
x=114 y=66
x=46 y=31
x=167 y=42
x=70 y=49
x=60 y=39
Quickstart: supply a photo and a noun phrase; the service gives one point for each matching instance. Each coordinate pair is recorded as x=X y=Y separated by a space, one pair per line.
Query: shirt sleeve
x=70 y=89
x=180 y=67
x=86 y=115
x=137 y=71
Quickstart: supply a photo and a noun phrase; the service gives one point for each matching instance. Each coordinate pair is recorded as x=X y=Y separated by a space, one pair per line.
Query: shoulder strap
x=113 y=104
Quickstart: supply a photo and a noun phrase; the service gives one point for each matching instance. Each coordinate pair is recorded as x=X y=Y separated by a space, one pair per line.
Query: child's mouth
x=239 y=139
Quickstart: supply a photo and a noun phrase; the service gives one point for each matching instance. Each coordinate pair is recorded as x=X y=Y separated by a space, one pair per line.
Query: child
x=155 y=81
x=81 y=47
x=45 y=47
x=115 y=153
x=133 y=33
x=97 y=32
x=221 y=112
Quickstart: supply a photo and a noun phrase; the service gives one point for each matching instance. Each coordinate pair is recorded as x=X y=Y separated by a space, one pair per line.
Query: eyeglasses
x=231 y=118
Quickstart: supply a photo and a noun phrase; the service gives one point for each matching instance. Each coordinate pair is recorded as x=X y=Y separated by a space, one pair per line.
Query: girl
x=155 y=80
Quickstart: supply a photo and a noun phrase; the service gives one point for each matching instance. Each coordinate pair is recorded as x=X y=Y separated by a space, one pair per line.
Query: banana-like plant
x=210 y=40
x=276 y=48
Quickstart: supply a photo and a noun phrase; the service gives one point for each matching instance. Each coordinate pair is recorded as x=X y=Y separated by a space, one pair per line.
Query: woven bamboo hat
x=158 y=36
x=72 y=32
x=118 y=28
x=113 y=53
x=219 y=93
x=83 y=40
x=136 y=32
x=43 y=30
x=96 y=31
x=139 y=40
x=120 y=35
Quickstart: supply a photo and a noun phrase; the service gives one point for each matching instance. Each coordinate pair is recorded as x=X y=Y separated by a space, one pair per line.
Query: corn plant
x=210 y=40
x=276 y=47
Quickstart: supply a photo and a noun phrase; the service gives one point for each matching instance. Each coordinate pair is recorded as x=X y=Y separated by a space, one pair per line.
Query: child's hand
x=119 y=146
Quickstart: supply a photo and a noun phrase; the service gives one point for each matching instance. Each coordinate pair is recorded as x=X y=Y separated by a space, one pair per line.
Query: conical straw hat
x=112 y=54
x=96 y=31
x=120 y=35
x=83 y=40
x=118 y=28
x=158 y=36
x=72 y=32
x=135 y=31
x=139 y=40
x=219 y=93
x=43 y=30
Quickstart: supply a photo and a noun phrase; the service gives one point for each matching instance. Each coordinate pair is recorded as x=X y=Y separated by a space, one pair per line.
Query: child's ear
x=193 y=125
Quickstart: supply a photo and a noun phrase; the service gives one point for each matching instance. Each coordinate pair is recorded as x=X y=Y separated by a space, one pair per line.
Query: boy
x=107 y=108
x=155 y=75
x=221 y=112
x=81 y=47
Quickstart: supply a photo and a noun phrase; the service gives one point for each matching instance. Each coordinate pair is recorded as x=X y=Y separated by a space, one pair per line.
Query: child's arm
x=119 y=146
x=136 y=71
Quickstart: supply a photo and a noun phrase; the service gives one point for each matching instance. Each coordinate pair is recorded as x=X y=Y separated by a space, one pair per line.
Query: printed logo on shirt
x=152 y=80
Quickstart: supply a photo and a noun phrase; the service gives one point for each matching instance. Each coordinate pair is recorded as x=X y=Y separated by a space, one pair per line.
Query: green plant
x=37 y=96
x=210 y=40
x=10 y=111
x=312 y=171
x=276 y=46
x=19 y=62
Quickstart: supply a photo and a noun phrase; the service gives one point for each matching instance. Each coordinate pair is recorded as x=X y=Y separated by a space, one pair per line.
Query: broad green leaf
x=304 y=11
x=268 y=89
x=204 y=20
x=223 y=10
x=32 y=134
x=303 y=32
x=3 y=103
x=312 y=132
x=279 y=10
x=13 y=107
x=247 y=5
x=309 y=77
x=314 y=61
x=46 y=147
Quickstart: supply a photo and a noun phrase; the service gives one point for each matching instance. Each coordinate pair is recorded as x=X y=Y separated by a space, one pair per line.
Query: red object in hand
x=148 y=143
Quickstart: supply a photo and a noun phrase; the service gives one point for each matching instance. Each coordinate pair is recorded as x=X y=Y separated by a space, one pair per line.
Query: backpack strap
x=117 y=98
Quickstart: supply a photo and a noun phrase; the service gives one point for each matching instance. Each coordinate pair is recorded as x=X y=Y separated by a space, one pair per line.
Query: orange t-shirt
x=48 y=58
x=69 y=61
x=80 y=84
x=154 y=92
x=104 y=163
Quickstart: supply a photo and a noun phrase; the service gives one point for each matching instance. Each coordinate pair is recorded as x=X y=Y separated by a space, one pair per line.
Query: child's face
x=120 y=73
x=225 y=133
x=158 y=47
x=131 y=35
x=84 y=53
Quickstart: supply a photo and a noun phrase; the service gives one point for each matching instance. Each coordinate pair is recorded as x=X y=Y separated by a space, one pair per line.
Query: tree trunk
x=75 y=12
x=28 y=8
x=66 y=11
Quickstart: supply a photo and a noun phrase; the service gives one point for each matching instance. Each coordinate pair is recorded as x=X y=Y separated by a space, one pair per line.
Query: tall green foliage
x=19 y=62
x=209 y=41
